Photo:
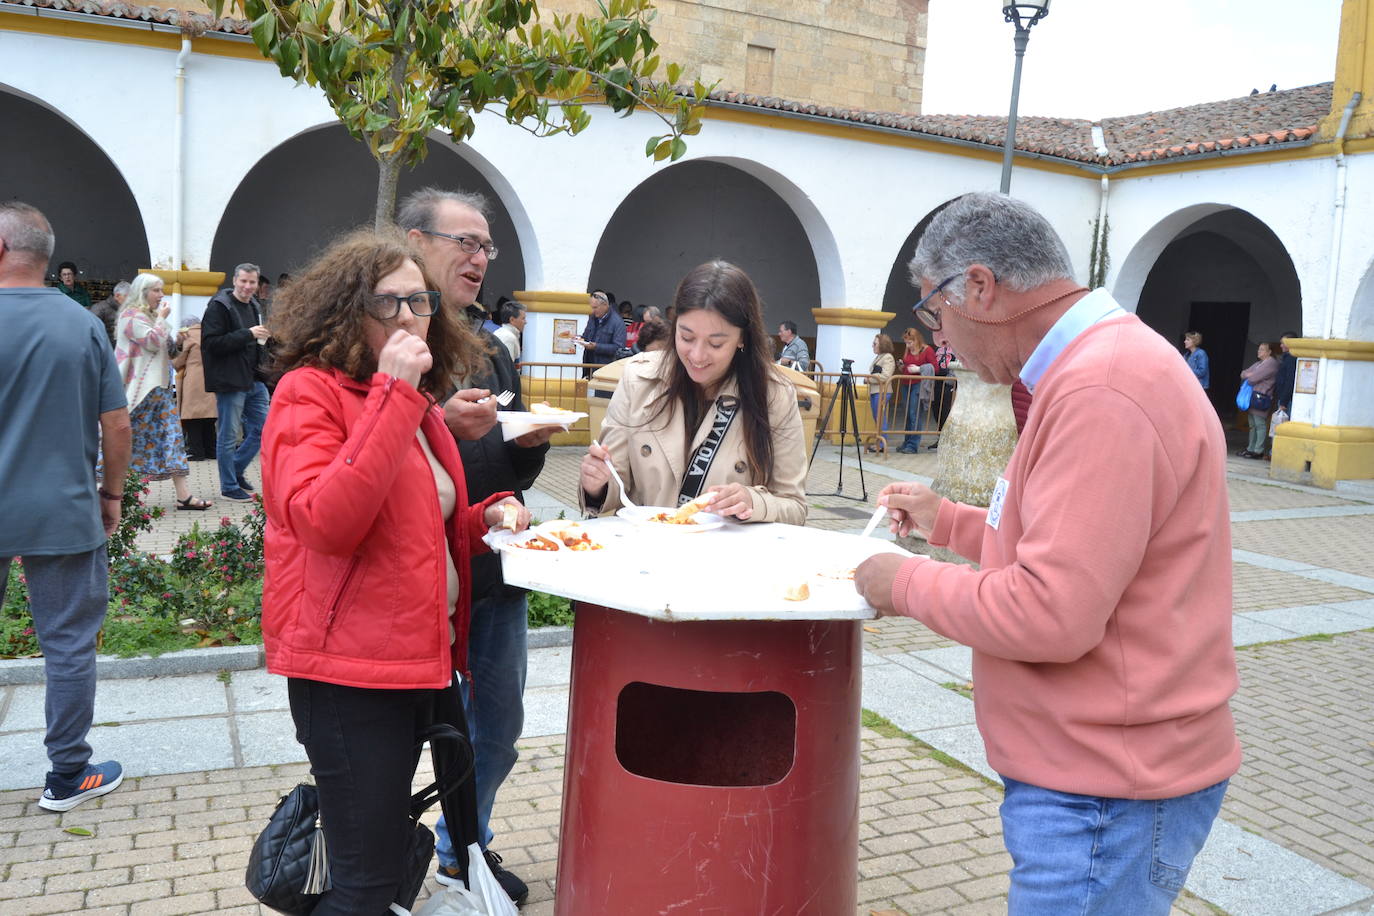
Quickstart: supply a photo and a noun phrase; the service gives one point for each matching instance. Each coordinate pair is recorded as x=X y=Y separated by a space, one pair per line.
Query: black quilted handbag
x=288 y=868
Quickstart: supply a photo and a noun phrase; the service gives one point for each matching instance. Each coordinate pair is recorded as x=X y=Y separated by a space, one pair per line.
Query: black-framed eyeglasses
x=925 y=315
x=385 y=306
x=469 y=245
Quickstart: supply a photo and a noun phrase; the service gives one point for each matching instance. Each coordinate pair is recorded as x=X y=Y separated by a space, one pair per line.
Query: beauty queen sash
x=700 y=465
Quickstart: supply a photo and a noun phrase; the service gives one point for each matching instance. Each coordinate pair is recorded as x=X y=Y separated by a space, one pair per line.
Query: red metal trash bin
x=712 y=767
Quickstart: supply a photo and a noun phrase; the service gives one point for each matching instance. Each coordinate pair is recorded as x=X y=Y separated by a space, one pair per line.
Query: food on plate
x=665 y=518
x=799 y=592
x=837 y=573
x=538 y=542
x=544 y=408
x=565 y=334
x=560 y=536
x=688 y=509
x=510 y=516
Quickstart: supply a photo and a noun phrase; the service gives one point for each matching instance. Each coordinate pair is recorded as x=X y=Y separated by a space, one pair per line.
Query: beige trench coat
x=193 y=401
x=651 y=454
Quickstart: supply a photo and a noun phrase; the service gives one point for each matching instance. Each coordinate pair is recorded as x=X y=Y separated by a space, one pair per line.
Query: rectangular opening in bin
x=705 y=738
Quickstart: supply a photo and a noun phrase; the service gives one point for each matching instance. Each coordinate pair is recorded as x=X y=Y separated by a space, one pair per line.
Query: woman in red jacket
x=368 y=525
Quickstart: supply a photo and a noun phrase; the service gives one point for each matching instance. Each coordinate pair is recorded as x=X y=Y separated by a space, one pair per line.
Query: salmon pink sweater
x=1100 y=619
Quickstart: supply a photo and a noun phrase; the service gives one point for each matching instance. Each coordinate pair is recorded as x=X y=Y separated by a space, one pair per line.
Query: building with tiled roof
x=1240 y=212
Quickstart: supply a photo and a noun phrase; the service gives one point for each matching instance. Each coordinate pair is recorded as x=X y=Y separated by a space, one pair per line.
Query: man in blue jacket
x=604 y=335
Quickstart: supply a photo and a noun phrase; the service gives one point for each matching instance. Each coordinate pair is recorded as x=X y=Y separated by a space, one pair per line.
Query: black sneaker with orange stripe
x=63 y=793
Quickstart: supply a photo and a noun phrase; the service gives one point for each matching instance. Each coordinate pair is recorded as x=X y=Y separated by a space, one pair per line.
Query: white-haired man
x=1100 y=613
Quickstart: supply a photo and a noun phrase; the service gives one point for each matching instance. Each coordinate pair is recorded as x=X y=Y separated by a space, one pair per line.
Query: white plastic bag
x=1280 y=416
x=452 y=901
x=485 y=898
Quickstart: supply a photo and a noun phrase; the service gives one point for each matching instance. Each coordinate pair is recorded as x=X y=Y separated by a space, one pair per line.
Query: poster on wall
x=564 y=330
x=1306 y=381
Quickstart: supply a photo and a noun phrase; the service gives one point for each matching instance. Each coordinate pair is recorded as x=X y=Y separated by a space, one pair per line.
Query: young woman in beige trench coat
x=710 y=415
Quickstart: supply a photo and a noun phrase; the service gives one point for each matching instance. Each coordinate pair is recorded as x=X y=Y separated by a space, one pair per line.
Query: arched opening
x=899 y=295
x=1360 y=325
x=323 y=182
x=61 y=171
x=703 y=209
x=1226 y=275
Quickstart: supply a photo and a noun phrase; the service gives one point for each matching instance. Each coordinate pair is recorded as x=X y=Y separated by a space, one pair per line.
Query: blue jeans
x=68 y=595
x=915 y=411
x=241 y=416
x=1091 y=856
x=494 y=703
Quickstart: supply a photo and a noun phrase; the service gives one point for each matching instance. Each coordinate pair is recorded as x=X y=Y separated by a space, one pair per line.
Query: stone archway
x=1223 y=272
x=702 y=209
x=899 y=295
x=61 y=171
x=321 y=183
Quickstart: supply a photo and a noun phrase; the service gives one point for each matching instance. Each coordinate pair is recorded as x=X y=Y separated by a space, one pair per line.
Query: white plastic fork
x=624 y=493
x=503 y=399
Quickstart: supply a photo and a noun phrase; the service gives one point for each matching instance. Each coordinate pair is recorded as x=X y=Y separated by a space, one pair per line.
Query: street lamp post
x=1023 y=14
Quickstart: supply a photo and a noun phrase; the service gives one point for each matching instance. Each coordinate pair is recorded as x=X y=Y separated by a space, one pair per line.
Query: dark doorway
x=1224 y=327
x=318 y=184
x=700 y=210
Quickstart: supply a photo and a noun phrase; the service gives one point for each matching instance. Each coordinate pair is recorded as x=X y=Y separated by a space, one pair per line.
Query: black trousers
x=200 y=438
x=363 y=754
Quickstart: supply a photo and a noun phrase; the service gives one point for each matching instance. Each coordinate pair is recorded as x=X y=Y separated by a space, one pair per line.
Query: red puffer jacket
x=355 y=589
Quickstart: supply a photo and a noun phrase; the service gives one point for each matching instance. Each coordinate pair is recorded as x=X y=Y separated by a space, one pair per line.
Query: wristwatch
x=112 y=497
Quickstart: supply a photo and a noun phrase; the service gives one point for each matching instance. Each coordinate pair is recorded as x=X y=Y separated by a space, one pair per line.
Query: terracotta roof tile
x=196 y=20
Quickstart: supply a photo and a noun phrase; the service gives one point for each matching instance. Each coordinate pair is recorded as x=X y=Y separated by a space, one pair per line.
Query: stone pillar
x=1330 y=436
x=547 y=315
x=975 y=446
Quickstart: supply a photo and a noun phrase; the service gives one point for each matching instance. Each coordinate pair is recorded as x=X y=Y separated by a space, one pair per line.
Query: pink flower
x=28 y=631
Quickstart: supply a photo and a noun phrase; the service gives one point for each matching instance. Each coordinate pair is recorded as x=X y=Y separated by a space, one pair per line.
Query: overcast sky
x=1098 y=58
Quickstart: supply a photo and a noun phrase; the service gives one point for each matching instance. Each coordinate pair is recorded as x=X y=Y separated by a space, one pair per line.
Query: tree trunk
x=388 y=174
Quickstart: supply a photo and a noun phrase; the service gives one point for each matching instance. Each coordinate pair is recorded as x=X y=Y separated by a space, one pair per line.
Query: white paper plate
x=643 y=515
x=538 y=419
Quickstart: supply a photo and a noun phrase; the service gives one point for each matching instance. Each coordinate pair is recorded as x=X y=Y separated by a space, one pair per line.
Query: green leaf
x=265 y=31
x=311 y=31
x=679 y=147
x=77 y=831
x=651 y=145
x=662 y=151
x=674 y=71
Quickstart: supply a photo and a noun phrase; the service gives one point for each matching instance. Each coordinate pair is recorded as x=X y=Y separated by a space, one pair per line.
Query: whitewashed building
x=150 y=146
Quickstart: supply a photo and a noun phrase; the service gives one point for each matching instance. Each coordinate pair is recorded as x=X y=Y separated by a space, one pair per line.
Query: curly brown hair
x=319 y=319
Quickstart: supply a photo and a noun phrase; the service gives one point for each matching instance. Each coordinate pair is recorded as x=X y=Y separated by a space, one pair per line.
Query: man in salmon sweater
x=1100 y=612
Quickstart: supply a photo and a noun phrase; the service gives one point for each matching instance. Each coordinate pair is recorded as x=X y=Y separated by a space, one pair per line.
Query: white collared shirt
x=1097 y=306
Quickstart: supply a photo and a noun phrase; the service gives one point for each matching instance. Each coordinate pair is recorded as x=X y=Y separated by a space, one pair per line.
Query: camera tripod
x=849 y=416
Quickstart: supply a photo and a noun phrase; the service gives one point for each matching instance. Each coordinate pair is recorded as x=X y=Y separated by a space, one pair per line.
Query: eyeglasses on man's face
x=385 y=306
x=923 y=313
x=469 y=245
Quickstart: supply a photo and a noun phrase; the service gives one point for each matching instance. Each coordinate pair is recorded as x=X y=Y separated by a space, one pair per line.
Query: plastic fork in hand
x=624 y=493
x=504 y=398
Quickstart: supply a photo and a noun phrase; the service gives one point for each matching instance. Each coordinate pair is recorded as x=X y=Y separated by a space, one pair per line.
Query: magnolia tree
x=395 y=70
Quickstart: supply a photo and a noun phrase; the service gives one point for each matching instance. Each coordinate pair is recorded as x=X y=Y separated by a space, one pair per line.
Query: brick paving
x=1305 y=713
x=929 y=837
x=1336 y=543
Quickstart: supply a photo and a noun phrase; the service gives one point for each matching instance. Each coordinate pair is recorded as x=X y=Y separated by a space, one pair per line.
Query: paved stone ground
x=929 y=837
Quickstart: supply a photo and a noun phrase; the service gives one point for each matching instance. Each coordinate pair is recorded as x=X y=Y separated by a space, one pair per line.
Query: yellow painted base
x=189 y=282
x=853 y=318
x=1322 y=455
x=548 y=301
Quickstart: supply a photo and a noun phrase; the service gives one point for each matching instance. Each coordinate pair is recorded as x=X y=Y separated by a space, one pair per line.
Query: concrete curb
x=18 y=671
x=186 y=661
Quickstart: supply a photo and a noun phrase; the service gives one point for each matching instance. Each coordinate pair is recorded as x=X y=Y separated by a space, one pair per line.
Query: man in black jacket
x=450 y=229
x=232 y=339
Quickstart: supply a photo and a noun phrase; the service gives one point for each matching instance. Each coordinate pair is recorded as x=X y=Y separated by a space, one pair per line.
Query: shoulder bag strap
x=727 y=406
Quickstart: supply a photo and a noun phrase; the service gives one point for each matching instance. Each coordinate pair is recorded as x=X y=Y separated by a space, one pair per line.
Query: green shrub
x=549 y=610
